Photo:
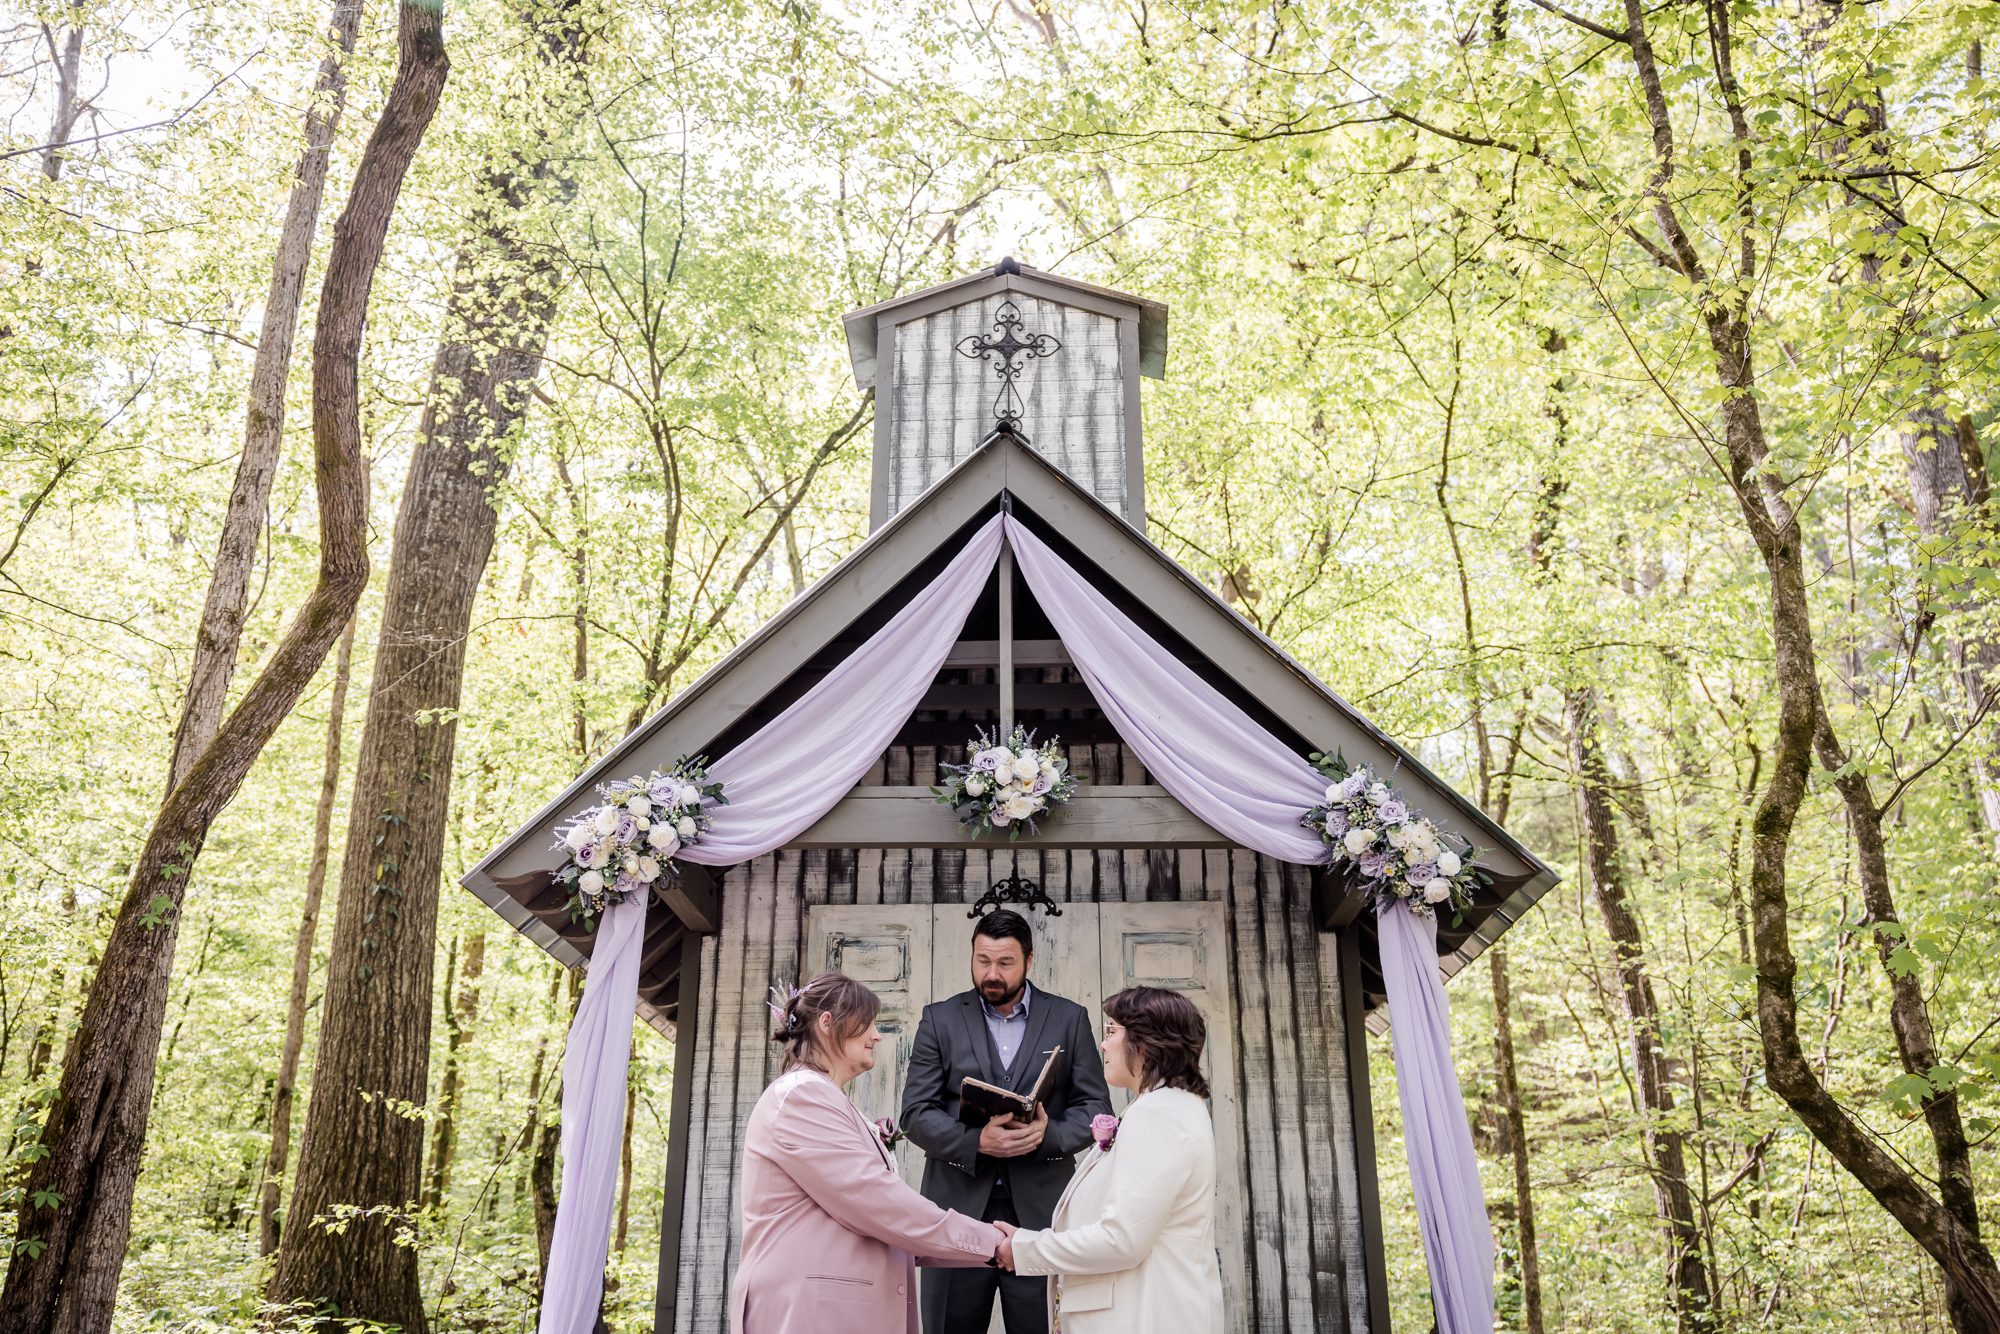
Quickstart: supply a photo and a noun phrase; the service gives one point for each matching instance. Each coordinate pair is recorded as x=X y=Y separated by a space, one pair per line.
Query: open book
x=979 y=1101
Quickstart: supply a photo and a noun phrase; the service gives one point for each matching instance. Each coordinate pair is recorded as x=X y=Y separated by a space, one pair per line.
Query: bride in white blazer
x=1131 y=1249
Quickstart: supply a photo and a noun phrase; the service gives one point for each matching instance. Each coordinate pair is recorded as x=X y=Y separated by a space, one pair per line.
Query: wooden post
x=1006 y=668
x=1374 y=1262
x=666 y=1287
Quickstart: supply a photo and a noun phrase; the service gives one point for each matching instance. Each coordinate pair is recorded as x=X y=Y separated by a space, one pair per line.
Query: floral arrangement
x=1007 y=783
x=1398 y=853
x=1104 y=1129
x=891 y=1136
x=625 y=845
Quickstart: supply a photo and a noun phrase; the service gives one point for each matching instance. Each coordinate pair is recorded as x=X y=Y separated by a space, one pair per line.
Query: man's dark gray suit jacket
x=953 y=1042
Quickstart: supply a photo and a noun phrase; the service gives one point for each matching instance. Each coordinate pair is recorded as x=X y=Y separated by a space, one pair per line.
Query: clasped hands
x=1005 y=1255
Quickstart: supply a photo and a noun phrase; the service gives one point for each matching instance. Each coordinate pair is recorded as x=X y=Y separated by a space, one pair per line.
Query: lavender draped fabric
x=1203 y=749
x=780 y=781
x=1213 y=758
x=595 y=1068
x=1451 y=1208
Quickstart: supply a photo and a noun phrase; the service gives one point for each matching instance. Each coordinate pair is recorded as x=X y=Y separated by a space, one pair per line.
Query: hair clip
x=780 y=1004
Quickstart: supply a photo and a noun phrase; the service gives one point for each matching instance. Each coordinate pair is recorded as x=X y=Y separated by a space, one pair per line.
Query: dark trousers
x=960 y=1301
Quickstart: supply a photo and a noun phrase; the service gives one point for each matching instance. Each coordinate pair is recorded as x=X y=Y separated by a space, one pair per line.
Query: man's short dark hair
x=1006 y=924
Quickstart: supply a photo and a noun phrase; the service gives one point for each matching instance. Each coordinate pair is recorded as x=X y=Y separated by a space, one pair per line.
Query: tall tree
x=1666 y=1151
x=221 y=632
x=75 y=1214
x=285 y=1086
x=362 y=1156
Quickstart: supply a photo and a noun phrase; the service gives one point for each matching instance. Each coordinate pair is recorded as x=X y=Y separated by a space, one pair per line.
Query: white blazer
x=1133 y=1240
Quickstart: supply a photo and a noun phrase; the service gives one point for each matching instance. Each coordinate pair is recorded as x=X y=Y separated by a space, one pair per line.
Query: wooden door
x=887 y=947
x=1185 y=947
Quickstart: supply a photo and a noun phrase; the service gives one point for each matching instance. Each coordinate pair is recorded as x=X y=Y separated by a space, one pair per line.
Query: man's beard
x=996 y=993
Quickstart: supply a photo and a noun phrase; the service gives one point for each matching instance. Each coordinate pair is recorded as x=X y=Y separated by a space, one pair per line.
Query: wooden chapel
x=1281 y=958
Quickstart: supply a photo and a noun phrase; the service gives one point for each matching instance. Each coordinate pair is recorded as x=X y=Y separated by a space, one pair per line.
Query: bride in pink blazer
x=829 y=1229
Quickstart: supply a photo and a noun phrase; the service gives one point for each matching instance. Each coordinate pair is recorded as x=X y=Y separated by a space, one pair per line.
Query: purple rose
x=628 y=828
x=1421 y=874
x=1104 y=1129
x=1394 y=812
x=662 y=790
x=1336 y=823
x=1374 y=864
x=1043 y=782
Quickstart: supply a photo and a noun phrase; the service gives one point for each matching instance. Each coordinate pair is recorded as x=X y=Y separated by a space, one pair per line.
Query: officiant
x=1009 y=1169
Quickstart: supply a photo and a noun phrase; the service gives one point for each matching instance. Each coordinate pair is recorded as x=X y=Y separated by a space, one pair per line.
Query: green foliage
x=1435 y=421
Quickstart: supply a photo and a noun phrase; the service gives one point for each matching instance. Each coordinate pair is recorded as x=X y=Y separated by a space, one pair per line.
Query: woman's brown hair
x=795 y=1023
x=1164 y=1034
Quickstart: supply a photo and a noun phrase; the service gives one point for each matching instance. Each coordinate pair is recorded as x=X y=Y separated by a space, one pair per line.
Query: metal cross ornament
x=1009 y=354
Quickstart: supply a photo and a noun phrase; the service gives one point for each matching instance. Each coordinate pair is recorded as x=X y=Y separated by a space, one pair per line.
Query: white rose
x=690 y=795
x=1335 y=792
x=1425 y=841
x=1377 y=793
x=649 y=869
x=664 y=841
x=640 y=807
x=686 y=827
x=1025 y=767
x=607 y=819
x=579 y=836
x=599 y=855
x=1020 y=807
x=1449 y=864
x=1048 y=766
x=1358 y=841
x=975 y=786
x=591 y=883
x=1438 y=890
x=629 y=864
x=1399 y=836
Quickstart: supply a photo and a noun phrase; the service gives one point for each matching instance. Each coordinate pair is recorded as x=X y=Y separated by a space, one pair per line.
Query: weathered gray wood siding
x=1305 y=1263
x=1073 y=402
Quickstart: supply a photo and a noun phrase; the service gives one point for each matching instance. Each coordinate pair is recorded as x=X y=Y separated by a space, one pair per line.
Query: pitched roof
x=1149 y=584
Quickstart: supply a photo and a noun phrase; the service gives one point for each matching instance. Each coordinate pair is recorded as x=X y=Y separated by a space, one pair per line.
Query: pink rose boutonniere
x=891 y=1136
x=1104 y=1129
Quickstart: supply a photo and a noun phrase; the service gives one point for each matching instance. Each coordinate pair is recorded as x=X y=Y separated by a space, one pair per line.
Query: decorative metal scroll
x=1009 y=354
x=1015 y=889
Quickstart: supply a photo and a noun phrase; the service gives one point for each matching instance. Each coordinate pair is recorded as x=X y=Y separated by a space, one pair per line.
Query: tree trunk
x=1517 y=1135
x=302 y=954
x=1767 y=515
x=1909 y=1012
x=1665 y=1152
x=96 y=1130
x=221 y=632
x=546 y=1135
x=69 y=106
x=461 y=1015
x=625 y=1168
x=359 y=1152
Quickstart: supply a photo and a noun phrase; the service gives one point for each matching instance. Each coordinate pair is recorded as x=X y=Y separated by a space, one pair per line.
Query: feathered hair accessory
x=783 y=997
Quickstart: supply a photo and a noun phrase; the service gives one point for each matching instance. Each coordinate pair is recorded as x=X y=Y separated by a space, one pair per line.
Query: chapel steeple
x=1056 y=360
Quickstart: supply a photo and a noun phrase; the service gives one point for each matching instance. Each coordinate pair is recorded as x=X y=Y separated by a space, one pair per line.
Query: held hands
x=1007 y=1137
x=1006 y=1252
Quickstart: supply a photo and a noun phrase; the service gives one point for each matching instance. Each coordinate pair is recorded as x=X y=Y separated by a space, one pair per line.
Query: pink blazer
x=829 y=1229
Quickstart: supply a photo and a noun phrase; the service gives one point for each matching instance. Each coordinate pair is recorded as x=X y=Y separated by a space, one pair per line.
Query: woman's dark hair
x=795 y=1025
x=1164 y=1034
x=1006 y=924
